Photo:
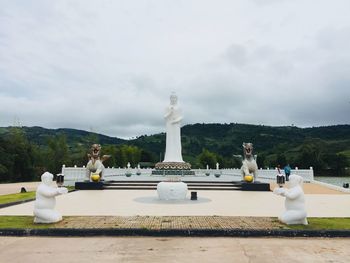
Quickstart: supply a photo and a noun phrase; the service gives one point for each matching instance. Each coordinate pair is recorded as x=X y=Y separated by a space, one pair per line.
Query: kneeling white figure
x=295 y=202
x=46 y=200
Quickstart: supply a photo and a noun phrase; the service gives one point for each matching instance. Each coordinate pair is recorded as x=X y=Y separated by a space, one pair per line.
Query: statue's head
x=247 y=149
x=95 y=150
x=173 y=99
x=295 y=180
x=47 y=178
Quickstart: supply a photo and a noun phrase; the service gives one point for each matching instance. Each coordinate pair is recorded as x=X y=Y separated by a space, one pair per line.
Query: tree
x=6 y=162
x=112 y=151
x=20 y=166
x=261 y=160
x=337 y=162
x=79 y=156
x=311 y=155
x=147 y=156
x=132 y=153
x=281 y=160
x=57 y=153
x=207 y=158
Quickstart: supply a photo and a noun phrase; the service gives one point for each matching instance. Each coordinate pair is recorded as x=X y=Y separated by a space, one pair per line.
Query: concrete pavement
x=149 y=249
x=14 y=188
x=210 y=203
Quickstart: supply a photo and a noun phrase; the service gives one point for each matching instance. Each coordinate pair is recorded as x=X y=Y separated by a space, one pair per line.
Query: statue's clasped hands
x=279 y=191
x=62 y=190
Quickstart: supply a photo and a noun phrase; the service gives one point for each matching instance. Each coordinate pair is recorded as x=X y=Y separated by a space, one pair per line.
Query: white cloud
x=111 y=65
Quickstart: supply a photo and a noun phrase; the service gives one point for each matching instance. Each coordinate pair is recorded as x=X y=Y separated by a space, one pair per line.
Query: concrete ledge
x=256 y=186
x=89 y=186
x=88 y=232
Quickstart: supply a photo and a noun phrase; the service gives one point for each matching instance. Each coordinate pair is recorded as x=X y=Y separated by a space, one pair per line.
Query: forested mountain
x=39 y=136
x=270 y=143
x=27 y=151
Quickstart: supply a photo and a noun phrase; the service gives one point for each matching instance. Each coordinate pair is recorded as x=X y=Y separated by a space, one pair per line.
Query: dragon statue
x=249 y=165
x=95 y=164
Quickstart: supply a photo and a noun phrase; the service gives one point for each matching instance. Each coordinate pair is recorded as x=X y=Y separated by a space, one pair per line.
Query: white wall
x=76 y=174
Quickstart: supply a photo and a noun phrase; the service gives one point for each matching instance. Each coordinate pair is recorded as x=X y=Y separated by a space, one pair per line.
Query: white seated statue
x=46 y=200
x=295 y=213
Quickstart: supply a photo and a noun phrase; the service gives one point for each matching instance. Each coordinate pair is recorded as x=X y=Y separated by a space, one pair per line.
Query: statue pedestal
x=172 y=190
x=173 y=168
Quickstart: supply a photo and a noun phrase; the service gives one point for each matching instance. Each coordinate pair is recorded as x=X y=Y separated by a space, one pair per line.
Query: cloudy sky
x=110 y=66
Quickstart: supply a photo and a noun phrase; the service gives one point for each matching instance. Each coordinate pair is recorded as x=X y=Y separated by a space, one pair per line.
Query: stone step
x=155 y=188
x=185 y=181
x=152 y=185
x=192 y=185
x=155 y=184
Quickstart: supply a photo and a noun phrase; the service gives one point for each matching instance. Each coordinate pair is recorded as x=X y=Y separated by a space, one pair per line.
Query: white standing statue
x=173 y=165
x=173 y=119
x=173 y=156
x=295 y=202
x=45 y=200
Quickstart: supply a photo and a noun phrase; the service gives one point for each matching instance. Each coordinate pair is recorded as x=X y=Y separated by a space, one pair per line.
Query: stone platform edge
x=92 y=232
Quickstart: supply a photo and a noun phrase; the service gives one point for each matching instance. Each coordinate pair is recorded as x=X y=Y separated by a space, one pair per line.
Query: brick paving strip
x=186 y=226
x=169 y=222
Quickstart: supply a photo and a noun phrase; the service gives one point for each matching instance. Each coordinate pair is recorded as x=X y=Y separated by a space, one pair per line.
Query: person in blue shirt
x=287 y=171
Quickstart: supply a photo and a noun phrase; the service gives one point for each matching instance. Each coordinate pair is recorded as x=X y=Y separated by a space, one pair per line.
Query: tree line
x=22 y=160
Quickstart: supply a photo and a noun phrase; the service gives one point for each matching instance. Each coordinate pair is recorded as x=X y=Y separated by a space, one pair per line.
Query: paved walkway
x=210 y=203
x=15 y=188
x=149 y=249
x=170 y=222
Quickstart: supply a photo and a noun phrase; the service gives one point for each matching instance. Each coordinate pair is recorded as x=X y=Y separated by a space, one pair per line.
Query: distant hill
x=222 y=139
x=39 y=136
x=226 y=139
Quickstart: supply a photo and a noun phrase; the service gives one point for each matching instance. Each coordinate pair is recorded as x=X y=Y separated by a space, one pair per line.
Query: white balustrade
x=78 y=174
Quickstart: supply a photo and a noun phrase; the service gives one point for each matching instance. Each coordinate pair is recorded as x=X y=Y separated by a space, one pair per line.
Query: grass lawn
x=21 y=222
x=4 y=199
x=324 y=223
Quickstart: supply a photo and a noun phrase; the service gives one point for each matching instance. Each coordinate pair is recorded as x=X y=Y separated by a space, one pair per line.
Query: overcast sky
x=110 y=66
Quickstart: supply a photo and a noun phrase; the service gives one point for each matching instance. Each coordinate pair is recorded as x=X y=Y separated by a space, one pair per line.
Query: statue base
x=172 y=190
x=173 y=166
x=173 y=172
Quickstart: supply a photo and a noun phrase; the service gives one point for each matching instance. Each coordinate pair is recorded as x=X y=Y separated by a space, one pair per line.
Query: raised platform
x=256 y=186
x=89 y=186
